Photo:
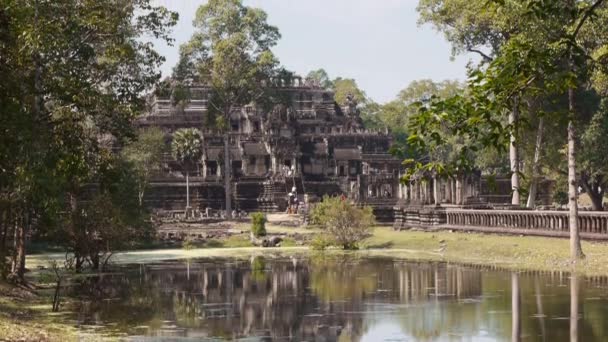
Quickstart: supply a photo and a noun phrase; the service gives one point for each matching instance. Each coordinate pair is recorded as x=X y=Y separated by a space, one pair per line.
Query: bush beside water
x=258 y=227
x=345 y=224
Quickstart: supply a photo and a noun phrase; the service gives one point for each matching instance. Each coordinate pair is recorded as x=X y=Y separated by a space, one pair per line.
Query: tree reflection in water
x=573 y=307
x=323 y=298
x=515 y=308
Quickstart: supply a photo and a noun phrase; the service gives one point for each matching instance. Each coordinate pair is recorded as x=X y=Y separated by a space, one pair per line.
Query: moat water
x=338 y=298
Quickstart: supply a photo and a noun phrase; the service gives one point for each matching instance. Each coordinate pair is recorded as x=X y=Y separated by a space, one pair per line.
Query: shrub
x=188 y=244
x=318 y=211
x=321 y=242
x=346 y=223
x=258 y=227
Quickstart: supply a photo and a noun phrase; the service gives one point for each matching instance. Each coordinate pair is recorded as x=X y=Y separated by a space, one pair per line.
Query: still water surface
x=339 y=298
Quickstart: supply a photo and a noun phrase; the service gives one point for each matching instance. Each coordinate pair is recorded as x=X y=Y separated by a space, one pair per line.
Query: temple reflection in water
x=337 y=299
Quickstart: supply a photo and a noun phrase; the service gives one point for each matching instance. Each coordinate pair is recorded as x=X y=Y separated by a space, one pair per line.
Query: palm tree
x=186 y=148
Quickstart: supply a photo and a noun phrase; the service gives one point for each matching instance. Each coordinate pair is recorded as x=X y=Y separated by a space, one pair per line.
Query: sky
x=377 y=42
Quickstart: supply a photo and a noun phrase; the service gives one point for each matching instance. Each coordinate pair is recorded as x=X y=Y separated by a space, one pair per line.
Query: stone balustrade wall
x=592 y=225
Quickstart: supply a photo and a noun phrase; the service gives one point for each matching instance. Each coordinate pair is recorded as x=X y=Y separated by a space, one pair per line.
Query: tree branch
x=586 y=16
x=481 y=53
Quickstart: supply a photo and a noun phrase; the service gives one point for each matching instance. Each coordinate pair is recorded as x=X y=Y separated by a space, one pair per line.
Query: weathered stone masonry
x=313 y=144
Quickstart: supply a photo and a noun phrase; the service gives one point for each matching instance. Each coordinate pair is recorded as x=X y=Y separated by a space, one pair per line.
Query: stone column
x=458 y=191
x=466 y=189
x=448 y=190
x=436 y=191
x=245 y=165
x=394 y=189
x=423 y=192
x=400 y=189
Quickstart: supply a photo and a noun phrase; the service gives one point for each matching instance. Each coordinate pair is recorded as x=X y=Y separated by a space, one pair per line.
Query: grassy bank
x=25 y=316
x=510 y=252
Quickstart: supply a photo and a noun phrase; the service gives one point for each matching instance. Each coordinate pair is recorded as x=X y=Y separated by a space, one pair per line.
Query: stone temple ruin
x=313 y=146
x=309 y=148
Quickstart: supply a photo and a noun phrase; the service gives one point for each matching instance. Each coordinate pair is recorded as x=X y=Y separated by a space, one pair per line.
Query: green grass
x=237 y=241
x=27 y=317
x=512 y=252
x=288 y=242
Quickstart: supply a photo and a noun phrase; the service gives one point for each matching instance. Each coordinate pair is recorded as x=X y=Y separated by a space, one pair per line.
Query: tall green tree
x=187 y=148
x=146 y=156
x=343 y=87
x=594 y=164
x=75 y=72
x=483 y=28
x=563 y=65
x=321 y=78
x=230 y=52
x=395 y=113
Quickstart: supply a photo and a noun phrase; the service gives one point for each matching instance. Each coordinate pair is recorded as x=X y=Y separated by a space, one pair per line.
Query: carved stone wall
x=308 y=142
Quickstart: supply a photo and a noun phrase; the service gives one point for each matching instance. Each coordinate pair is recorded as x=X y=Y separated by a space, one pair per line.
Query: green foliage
x=258 y=224
x=146 y=156
x=74 y=74
x=187 y=146
x=188 y=244
x=595 y=164
x=319 y=209
x=344 y=86
x=473 y=26
x=560 y=197
x=108 y=220
x=230 y=52
x=321 y=78
x=527 y=46
x=346 y=223
x=321 y=242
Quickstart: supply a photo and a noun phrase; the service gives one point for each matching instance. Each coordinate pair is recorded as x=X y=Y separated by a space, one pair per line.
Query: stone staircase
x=273 y=197
x=246 y=194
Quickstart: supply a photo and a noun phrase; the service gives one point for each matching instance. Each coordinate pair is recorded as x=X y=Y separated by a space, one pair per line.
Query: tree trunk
x=78 y=261
x=227 y=172
x=597 y=200
x=576 y=252
x=595 y=191
x=56 y=295
x=140 y=198
x=514 y=152
x=95 y=260
x=187 y=191
x=18 y=262
x=74 y=229
x=4 y=223
x=536 y=165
